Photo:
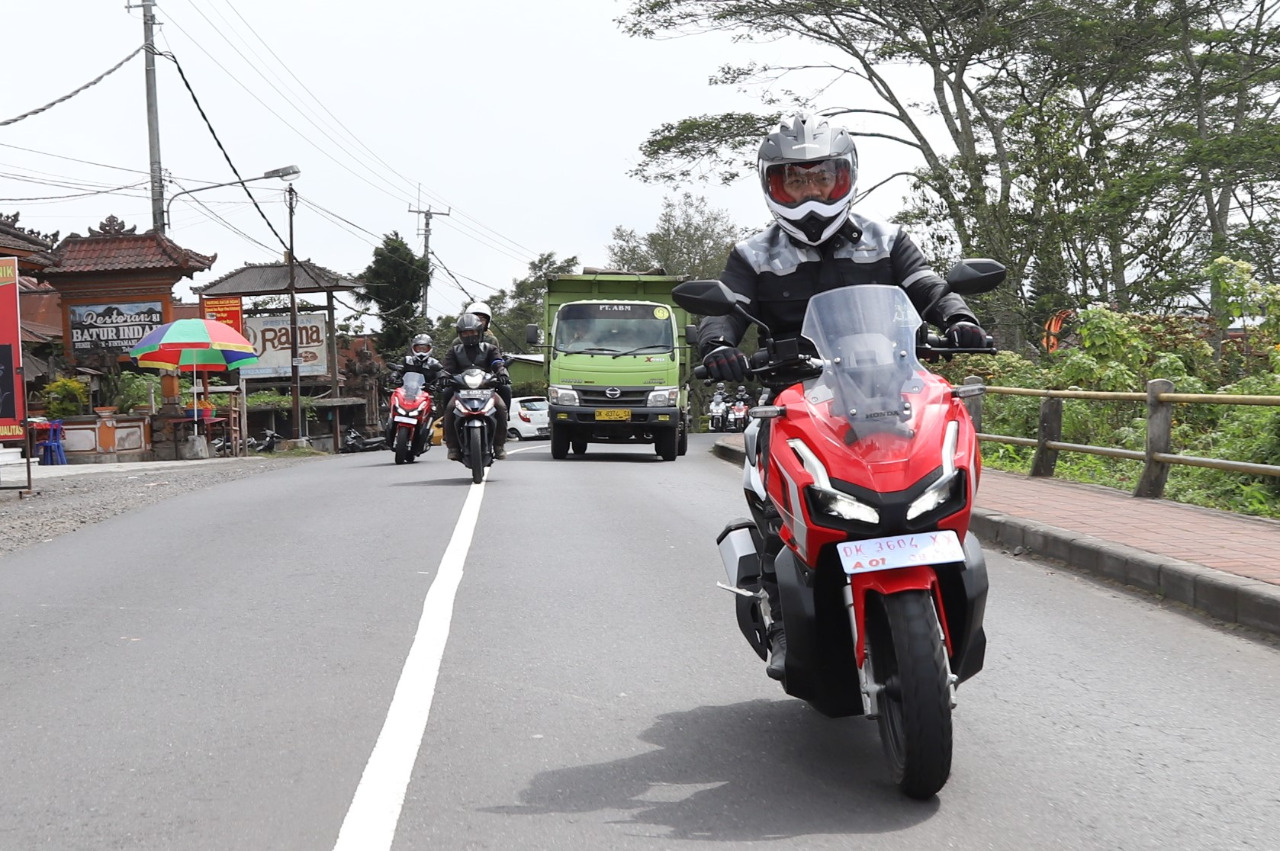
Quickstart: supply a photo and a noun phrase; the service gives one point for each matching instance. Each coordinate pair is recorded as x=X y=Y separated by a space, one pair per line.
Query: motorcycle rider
x=469 y=351
x=482 y=310
x=417 y=359
x=808 y=171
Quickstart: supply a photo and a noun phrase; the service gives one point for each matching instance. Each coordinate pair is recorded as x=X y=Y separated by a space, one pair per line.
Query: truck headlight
x=562 y=395
x=664 y=397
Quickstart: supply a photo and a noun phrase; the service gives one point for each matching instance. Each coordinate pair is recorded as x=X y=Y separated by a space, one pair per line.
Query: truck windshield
x=613 y=329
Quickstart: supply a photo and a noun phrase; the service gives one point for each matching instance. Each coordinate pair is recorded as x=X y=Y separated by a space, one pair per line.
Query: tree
x=690 y=239
x=393 y=282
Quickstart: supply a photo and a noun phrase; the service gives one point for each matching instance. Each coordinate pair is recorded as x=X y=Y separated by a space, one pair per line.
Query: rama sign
x=272 y=343
x=12 y=389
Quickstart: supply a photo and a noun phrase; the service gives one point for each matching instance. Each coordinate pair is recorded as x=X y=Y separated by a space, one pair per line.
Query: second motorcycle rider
x=469 y=351
x=809 y=172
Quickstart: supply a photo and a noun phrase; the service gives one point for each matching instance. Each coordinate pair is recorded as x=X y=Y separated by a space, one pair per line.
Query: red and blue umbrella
x=201 y=344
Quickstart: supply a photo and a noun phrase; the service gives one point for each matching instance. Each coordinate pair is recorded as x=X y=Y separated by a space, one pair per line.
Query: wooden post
x=1159 y=439
x=1050 y=429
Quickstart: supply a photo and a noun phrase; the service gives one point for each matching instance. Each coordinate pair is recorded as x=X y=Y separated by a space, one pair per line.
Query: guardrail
x=1157 y=457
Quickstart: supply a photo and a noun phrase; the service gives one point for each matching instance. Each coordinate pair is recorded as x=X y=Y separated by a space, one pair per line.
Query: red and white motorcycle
x=860 y=489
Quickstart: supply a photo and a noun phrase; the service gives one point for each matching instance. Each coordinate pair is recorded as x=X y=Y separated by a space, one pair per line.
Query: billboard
x=272 y=343
x=114 y=327
x=224 y=309
x=13 y=394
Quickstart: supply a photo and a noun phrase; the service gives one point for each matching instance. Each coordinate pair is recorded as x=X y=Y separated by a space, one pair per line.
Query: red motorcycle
x=411 y=419
x=860 y=489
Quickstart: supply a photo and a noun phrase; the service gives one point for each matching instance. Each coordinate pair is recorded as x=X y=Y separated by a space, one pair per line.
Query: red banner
x=13 y=394
x=224 y=309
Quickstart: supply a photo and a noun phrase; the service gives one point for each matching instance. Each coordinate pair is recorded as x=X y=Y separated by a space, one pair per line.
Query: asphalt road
x=250 y=666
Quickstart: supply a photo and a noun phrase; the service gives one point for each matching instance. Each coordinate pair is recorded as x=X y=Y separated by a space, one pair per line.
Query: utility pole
x=426 y=248
x=153 y=116
x=291 y=200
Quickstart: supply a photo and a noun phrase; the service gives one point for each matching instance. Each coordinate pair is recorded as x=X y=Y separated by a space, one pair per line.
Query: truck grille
x=595 y=397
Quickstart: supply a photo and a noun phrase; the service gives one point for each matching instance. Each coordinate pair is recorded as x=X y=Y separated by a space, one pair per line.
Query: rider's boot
x=777 y=636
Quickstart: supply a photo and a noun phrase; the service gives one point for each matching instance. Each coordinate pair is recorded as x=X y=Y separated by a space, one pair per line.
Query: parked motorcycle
x=716 y=410
x=269 y=440
x=860 y=488
x=411 y=418
x=354 y=441
x=475 y=418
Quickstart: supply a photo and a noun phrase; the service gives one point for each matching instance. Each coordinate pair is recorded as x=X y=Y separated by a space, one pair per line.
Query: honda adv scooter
x=475 y=418
x=860 y=476
x=411 y=418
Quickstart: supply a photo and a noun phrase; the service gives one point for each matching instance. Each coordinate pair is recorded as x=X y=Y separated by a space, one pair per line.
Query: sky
x=520 y=120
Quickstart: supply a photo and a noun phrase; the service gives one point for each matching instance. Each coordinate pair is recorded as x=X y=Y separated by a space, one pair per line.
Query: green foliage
x=393 y=283
x=689 y=239
x=135 y=389
x=65 y=397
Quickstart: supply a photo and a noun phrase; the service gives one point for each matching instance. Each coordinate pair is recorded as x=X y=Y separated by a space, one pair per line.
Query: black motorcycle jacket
x=485 y=356
x=778 y=276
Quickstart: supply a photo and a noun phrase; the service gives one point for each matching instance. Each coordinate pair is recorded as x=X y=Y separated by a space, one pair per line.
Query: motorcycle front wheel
x=402 y=445
x=477 y=455
x=910 y=661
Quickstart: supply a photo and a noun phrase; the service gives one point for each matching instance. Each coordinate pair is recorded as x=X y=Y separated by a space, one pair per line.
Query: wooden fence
x=1157 y=457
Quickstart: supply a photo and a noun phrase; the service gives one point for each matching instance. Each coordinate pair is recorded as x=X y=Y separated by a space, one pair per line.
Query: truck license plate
x=622 y=414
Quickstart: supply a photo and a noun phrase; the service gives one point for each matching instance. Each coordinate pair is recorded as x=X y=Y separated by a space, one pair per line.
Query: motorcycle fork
x=885 y=583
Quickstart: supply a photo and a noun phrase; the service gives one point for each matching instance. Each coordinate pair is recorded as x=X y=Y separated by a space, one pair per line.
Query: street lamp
x=286 y=173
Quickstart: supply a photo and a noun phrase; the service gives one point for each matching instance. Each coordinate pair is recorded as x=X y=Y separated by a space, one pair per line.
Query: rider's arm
x=923 y=285
x=715 y=331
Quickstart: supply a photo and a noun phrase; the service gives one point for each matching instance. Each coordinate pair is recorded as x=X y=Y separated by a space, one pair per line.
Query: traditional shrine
x=114 y=286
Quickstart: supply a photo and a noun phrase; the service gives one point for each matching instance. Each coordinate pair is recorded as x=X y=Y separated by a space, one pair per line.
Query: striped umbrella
x=201 y=344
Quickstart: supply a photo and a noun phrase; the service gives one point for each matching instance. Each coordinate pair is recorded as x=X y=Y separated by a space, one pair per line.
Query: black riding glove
x=966 y=335
x=726 y=363
x=503 y=379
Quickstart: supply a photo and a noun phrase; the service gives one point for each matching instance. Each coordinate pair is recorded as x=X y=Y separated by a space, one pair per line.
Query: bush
x=66 y=397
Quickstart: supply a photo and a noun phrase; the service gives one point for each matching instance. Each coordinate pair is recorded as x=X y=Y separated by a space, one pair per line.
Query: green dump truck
x=617 y=362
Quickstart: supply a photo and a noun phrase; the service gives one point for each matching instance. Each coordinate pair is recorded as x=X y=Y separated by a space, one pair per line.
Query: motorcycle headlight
x=562 y=395
x=473 y=380
x=945 y=488
x=664 y=397
x=827 y=499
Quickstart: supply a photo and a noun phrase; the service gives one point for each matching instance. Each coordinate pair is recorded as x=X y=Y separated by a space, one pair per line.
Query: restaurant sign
x=273 y=345
x=12 y=389
x=225 y=309
x=114 y=327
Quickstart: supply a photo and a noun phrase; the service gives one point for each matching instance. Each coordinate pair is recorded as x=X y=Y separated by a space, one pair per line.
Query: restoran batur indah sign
x=114 y=327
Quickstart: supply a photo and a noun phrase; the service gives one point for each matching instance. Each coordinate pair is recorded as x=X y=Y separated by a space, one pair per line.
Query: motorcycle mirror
x=974 y=276
x=706 y=298
x=691 y=334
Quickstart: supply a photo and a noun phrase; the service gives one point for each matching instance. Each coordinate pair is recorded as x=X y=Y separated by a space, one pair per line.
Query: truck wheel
x=559 y=441
x=579 y=446
x=666 y=443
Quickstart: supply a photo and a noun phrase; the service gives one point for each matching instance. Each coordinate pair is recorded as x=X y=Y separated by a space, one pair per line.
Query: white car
x=528 y=418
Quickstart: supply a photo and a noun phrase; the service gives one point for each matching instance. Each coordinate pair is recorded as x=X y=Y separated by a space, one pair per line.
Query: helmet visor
x=792 y=184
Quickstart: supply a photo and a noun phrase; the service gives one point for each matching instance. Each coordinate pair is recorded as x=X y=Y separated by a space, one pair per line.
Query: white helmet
x=806 y=151
x=481 y=309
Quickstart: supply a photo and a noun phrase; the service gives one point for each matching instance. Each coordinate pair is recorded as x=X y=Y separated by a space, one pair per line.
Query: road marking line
x=370 y=823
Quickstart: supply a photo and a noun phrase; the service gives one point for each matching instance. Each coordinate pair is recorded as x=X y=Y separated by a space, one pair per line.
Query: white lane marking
x=370 y=823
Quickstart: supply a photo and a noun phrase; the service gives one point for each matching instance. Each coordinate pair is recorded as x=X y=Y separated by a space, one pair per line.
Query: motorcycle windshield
x=866 y=338
x=412 y=385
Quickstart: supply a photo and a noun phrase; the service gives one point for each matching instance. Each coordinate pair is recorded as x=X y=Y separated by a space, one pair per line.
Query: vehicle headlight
x=562 y=395
x=473 y=380
x=827 y=499
x=944 y=488
x=664 y=397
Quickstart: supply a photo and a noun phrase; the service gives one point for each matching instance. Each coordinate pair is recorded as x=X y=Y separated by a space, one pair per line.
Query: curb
x=1225 y=596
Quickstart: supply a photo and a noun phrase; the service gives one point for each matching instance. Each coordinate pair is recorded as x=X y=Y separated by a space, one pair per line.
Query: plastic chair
x=51 y=449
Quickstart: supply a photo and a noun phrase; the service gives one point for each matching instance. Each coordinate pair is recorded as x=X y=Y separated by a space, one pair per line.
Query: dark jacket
x=779 y=276
x=484 y=356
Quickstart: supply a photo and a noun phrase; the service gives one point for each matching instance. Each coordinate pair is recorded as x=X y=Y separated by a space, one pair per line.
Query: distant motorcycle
x=475 y=418
x=717 y=410
x=411 y=418
x=738 y=416
x=354 y=441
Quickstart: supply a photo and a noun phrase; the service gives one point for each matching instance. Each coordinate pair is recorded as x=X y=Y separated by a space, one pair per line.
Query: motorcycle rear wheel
x=477 y=455
x=910 y=660
x=402 y=445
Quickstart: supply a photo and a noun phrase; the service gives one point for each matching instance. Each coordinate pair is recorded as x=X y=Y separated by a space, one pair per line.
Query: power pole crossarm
x=426 y=248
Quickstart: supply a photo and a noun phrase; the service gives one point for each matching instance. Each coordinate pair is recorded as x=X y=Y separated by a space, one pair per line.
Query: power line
x=92 y=82
x=81 y=194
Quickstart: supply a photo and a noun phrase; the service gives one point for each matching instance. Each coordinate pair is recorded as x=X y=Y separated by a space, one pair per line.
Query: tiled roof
x=115 y=249
x=38 y=332
x=254 y=279
x=31 y=248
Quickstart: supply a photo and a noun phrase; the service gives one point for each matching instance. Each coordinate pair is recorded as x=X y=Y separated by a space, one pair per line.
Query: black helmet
x=808 y=152
x=470 y=329
x=421 y=344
